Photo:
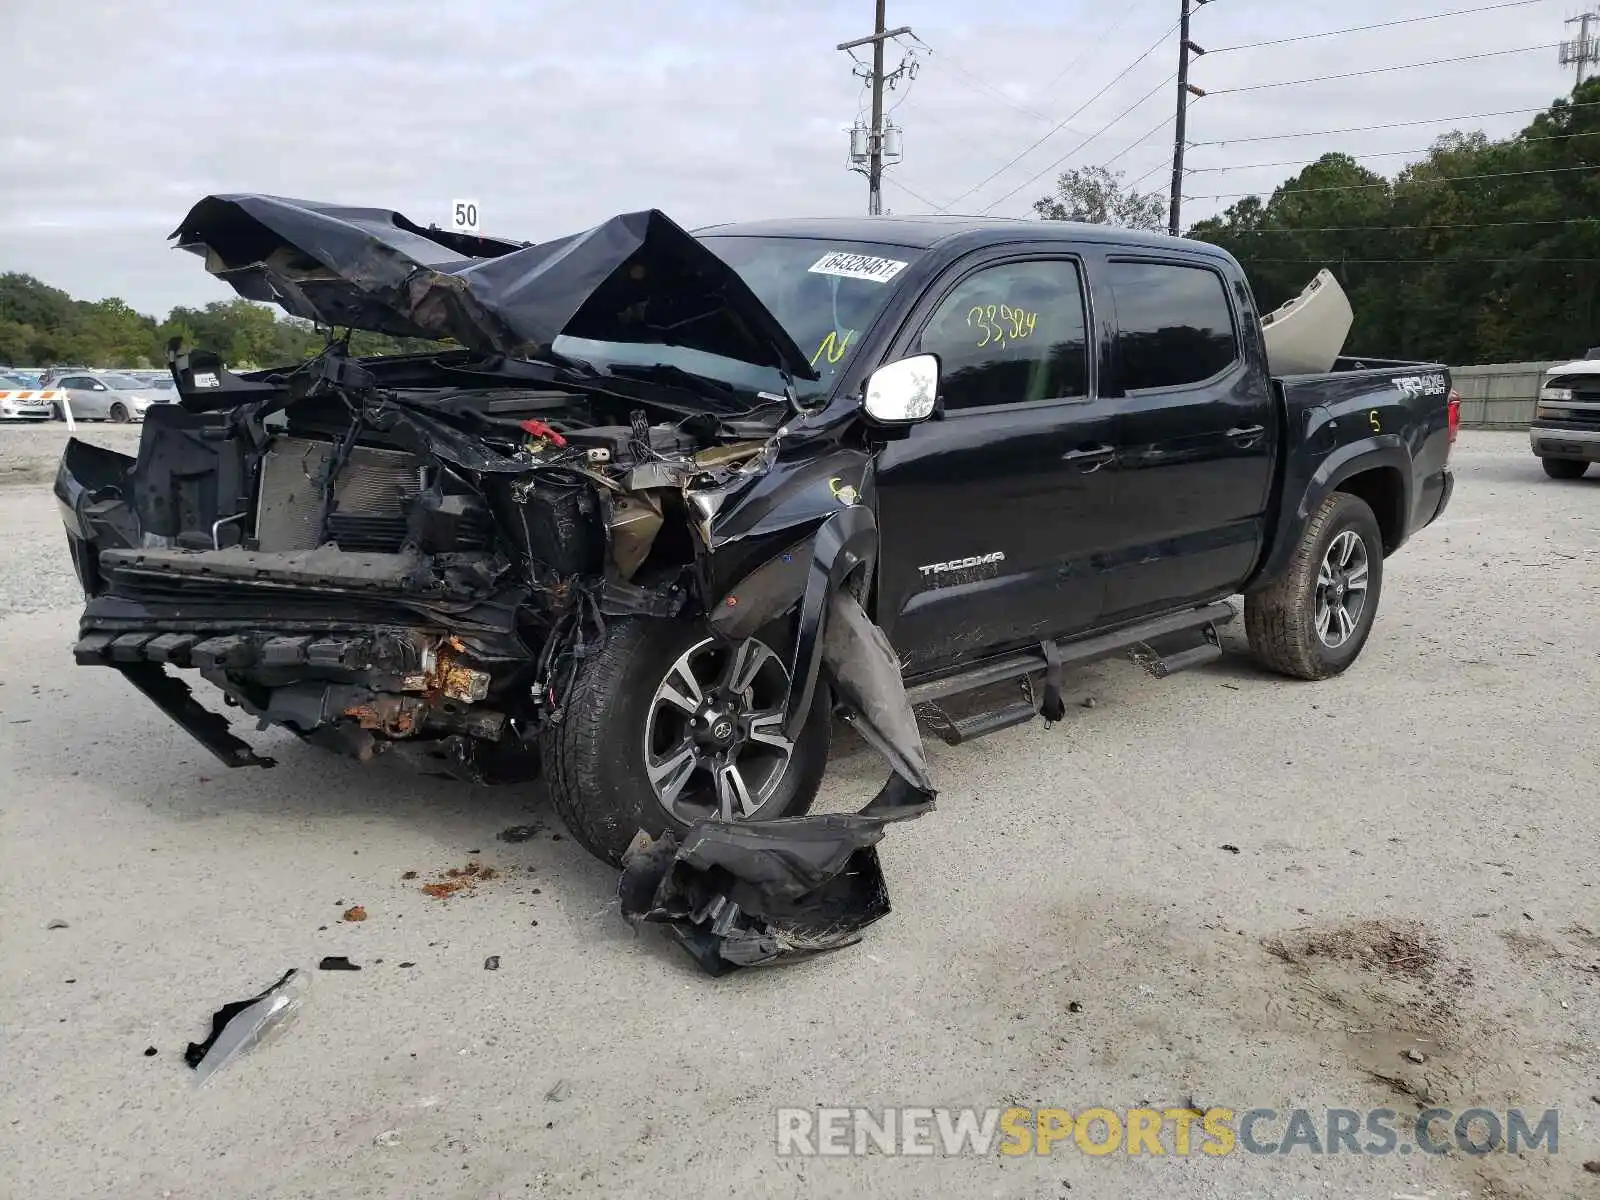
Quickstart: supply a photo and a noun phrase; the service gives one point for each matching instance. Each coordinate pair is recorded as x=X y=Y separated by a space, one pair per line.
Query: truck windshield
x=823 y=291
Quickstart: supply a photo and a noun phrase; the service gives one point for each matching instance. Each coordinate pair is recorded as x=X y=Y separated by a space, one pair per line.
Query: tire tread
x=1281 y=634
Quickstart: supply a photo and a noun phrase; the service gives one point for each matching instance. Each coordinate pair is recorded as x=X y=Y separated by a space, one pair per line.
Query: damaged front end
x=425 y=550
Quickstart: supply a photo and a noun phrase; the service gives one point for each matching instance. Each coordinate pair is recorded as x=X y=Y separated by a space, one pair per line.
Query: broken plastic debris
x=492 y=963
x=244 y=1024
x=338 y=962
x=763 y=892
x=559 y=1092
x=518 y=833
x=389 y=1137
x=55 y=923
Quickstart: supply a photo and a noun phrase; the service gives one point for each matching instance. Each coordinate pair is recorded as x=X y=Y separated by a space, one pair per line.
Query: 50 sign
x=1000 y=323
x=464 y=216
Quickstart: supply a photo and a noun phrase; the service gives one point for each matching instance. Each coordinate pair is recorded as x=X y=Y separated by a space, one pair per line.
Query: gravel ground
x=1414 y=871
x=29 y=453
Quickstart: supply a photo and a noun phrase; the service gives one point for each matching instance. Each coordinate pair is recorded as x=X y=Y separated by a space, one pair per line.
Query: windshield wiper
x=701 y=385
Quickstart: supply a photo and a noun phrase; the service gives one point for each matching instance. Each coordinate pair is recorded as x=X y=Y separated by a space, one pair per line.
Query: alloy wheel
x=714 y=745
x=1341 y=595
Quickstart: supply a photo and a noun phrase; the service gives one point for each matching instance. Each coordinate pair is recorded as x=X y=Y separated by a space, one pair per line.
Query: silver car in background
x=108 y=396
x=21 y=399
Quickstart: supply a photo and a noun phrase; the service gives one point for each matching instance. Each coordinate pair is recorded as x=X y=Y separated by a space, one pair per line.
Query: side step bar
x=1027 y=662
x=953 y=732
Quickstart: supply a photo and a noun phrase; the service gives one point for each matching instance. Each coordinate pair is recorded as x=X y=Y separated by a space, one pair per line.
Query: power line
x=1094 y=44
x=1308 y=37
x=1036 y=176
x=1161 y=165
x=1034 y=145
x=1428 y=261
x=1299 y=162
x=915 y=195
x=1279 y=137
x=1353 y=187
x=1165 y=121
x=1414 y=228
x=979 y=83
x=1435 y=62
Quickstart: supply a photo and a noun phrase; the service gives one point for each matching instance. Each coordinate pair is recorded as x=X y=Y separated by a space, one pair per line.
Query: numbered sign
x=464 y=216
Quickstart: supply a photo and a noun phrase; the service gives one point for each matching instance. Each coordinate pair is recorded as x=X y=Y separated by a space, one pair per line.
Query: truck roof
x=925 y=232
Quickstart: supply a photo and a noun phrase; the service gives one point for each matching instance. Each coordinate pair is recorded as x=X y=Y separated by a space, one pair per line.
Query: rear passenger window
x=1010 y=334
x=1174 y=324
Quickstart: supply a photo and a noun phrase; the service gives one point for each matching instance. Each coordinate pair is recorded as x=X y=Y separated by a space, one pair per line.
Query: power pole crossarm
x=1585 y=48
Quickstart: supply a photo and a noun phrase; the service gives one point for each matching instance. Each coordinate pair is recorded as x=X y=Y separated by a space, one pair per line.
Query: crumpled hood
x=638 y=277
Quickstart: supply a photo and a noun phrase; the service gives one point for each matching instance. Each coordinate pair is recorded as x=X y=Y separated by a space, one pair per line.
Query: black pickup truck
x=653 y=506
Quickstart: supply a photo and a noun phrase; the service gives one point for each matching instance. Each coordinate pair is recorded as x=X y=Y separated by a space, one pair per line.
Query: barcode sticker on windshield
x=858 y=266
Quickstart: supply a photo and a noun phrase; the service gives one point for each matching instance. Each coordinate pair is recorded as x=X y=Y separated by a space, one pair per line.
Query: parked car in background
x=21 y=399
x=1565 y=434
x=50 y=374
x=107 y=396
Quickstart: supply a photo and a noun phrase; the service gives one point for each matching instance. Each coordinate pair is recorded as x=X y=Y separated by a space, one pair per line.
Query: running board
x=954 y=732
x=1105 y=645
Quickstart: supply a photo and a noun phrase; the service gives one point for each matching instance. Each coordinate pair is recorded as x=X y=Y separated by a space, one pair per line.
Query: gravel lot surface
x=1414 y=872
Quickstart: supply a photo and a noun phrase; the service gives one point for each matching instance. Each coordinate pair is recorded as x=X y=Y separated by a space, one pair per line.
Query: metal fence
x=1500 y=395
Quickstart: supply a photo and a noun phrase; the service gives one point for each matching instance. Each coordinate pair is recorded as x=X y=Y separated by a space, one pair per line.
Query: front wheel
x=1313 y=620
x=667 y=726
x=1564 y=468
x=119 y=414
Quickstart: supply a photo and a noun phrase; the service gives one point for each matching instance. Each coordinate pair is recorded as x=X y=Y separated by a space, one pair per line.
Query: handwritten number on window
x=1001 y=324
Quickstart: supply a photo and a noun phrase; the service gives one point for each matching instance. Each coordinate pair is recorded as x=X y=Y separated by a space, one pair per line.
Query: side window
x=1011 y=333
x=1174 y=324
x=73 y=382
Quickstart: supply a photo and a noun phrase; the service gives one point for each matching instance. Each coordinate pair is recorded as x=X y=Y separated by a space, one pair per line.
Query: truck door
x=991 y=513
x=1195 y=435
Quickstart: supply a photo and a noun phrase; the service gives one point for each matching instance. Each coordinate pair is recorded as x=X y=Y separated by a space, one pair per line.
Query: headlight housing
x=1557 y=394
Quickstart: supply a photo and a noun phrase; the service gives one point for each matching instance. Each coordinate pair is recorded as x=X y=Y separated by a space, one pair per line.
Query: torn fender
x=846 y=541
x=755 y=893
x=637 y=277
x=759 y=893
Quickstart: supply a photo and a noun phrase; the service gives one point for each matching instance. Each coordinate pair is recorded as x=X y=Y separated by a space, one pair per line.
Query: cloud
x=555 y=115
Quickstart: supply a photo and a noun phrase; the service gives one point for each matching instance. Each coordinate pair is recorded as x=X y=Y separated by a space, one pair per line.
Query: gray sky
x=557 y=114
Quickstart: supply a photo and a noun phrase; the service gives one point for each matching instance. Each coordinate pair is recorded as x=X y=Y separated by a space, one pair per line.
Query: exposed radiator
x=373 y=483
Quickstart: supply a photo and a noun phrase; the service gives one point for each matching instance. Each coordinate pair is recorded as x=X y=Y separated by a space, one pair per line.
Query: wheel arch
x=1383 y=490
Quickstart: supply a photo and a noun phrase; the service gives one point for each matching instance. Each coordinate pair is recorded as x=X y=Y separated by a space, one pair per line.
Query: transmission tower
x=1585 y=48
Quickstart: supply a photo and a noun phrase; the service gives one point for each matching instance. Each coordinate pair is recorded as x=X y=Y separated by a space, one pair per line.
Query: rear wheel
x=119 y=413
x=1564 y=468
x=1313 y=620
x=667 y=726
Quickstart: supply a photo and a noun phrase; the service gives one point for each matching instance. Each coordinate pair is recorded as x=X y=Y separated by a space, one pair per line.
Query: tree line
x=1480 y=251
x=43 y=326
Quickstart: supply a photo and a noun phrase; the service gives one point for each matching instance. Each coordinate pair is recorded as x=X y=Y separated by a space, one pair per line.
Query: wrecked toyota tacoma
x=658 y=505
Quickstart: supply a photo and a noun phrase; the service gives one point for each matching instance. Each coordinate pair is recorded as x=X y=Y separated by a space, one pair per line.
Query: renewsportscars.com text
x=1214 y=1132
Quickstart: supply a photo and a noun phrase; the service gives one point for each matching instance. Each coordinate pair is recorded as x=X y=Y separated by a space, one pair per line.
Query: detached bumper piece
x=759 y=893
x=351 y=693
x=173 y=697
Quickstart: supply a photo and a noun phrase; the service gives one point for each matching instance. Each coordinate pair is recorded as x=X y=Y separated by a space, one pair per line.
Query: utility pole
x=1185 y=90
x=1584 y=49
x=874 y=147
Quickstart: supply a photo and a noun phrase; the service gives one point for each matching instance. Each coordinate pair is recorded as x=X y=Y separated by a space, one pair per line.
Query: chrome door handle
x=1246 y=436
